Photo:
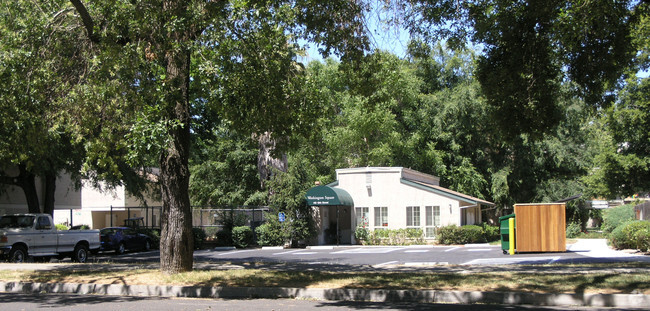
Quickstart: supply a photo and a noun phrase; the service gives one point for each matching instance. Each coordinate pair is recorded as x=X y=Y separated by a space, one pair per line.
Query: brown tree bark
x=50 y=189
x=176 y=238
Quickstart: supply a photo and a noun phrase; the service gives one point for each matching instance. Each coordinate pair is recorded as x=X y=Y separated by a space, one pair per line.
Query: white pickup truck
x=23 y=235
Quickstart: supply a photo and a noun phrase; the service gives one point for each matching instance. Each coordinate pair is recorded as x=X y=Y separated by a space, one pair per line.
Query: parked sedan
x=121 y=239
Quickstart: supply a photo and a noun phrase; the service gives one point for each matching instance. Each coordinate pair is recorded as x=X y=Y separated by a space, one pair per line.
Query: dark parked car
x=121 y=239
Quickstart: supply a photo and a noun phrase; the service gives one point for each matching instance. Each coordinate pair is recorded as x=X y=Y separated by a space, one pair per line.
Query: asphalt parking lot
x=583 y=251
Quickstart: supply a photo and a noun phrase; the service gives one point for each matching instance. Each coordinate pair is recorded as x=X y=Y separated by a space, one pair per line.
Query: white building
x=389 y=198
x=86 y=206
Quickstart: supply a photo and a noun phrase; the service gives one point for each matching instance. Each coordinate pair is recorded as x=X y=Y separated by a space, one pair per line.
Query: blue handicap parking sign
x=281 y=217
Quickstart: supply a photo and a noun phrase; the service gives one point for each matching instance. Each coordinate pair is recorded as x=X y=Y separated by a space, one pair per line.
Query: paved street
x=55 y=302
x=584 y=251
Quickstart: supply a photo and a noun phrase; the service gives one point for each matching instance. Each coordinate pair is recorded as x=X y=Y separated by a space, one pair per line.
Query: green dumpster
x=504 y=231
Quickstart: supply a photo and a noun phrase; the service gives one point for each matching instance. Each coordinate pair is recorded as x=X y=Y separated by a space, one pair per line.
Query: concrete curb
x=381 y=295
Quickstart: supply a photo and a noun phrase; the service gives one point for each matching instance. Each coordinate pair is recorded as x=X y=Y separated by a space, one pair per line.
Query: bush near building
x=242 y=236
x=409 y=236
x=467 y=234
x=633 y=234
x=490 y=232
x=270 y=235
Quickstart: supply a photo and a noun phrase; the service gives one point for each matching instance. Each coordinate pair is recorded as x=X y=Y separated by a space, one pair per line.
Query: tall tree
x=144 y=54
x=39 y=59
x=622 y=160
x=530 y=47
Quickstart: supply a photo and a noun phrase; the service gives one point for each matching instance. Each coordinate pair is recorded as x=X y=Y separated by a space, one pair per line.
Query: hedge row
x=445 y=235
x=410 y=236
x=467 y=234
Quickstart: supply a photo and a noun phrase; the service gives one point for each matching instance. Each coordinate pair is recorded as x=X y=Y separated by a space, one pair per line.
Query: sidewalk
x=598 y=248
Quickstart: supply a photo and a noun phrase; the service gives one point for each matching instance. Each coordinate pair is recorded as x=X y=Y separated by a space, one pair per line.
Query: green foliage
x=408 y=236
x=40 y=57
x=242 y=236
x=625 y=163
x=615 y=216
x=288 y=196
x=270 y=234
x=573 y=230
x=199 y=237
x=633 y=234
x=530 y=48
x=490 y=233
x=61 y=227
x=453 y=234
x=361 y=234
x=224 y=170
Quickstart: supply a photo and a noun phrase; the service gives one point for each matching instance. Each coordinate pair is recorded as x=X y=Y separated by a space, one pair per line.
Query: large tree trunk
x=27 y=181
x=50 y=189
x=176 y=238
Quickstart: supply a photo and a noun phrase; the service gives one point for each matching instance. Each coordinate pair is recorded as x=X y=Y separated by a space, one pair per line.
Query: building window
x=381 y=217
x=412 y=216
x=432 y=220
x=362 y=216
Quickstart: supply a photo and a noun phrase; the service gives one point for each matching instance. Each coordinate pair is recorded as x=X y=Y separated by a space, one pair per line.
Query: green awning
x=328 y=196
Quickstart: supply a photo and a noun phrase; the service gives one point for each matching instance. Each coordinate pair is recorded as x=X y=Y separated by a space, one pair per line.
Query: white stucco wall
x=13 y=200
x=95 y=198
x=387 y=190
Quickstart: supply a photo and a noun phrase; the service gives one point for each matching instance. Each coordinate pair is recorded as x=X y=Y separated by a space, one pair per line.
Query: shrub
x=362 y=234
x=573 y=230
x=410 y=236
x=632 y=234
x=472 y=234
x=199 y=237
x=224 y=237
x=242 y=236
x=449 y=235
x=616 y=216
x=61 y=227
x=490 y=233
x=270 y=235
x=453 y=234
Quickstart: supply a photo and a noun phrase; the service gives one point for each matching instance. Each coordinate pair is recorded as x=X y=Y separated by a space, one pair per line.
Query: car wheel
x=80 y=254
x=147 y=245
x=18 y=254
x=121 y=249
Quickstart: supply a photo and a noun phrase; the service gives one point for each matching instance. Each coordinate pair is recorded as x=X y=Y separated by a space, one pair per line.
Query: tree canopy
x=531 y=48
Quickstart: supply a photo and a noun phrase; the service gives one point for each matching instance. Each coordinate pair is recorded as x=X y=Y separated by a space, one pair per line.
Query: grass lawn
x=599 y=282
